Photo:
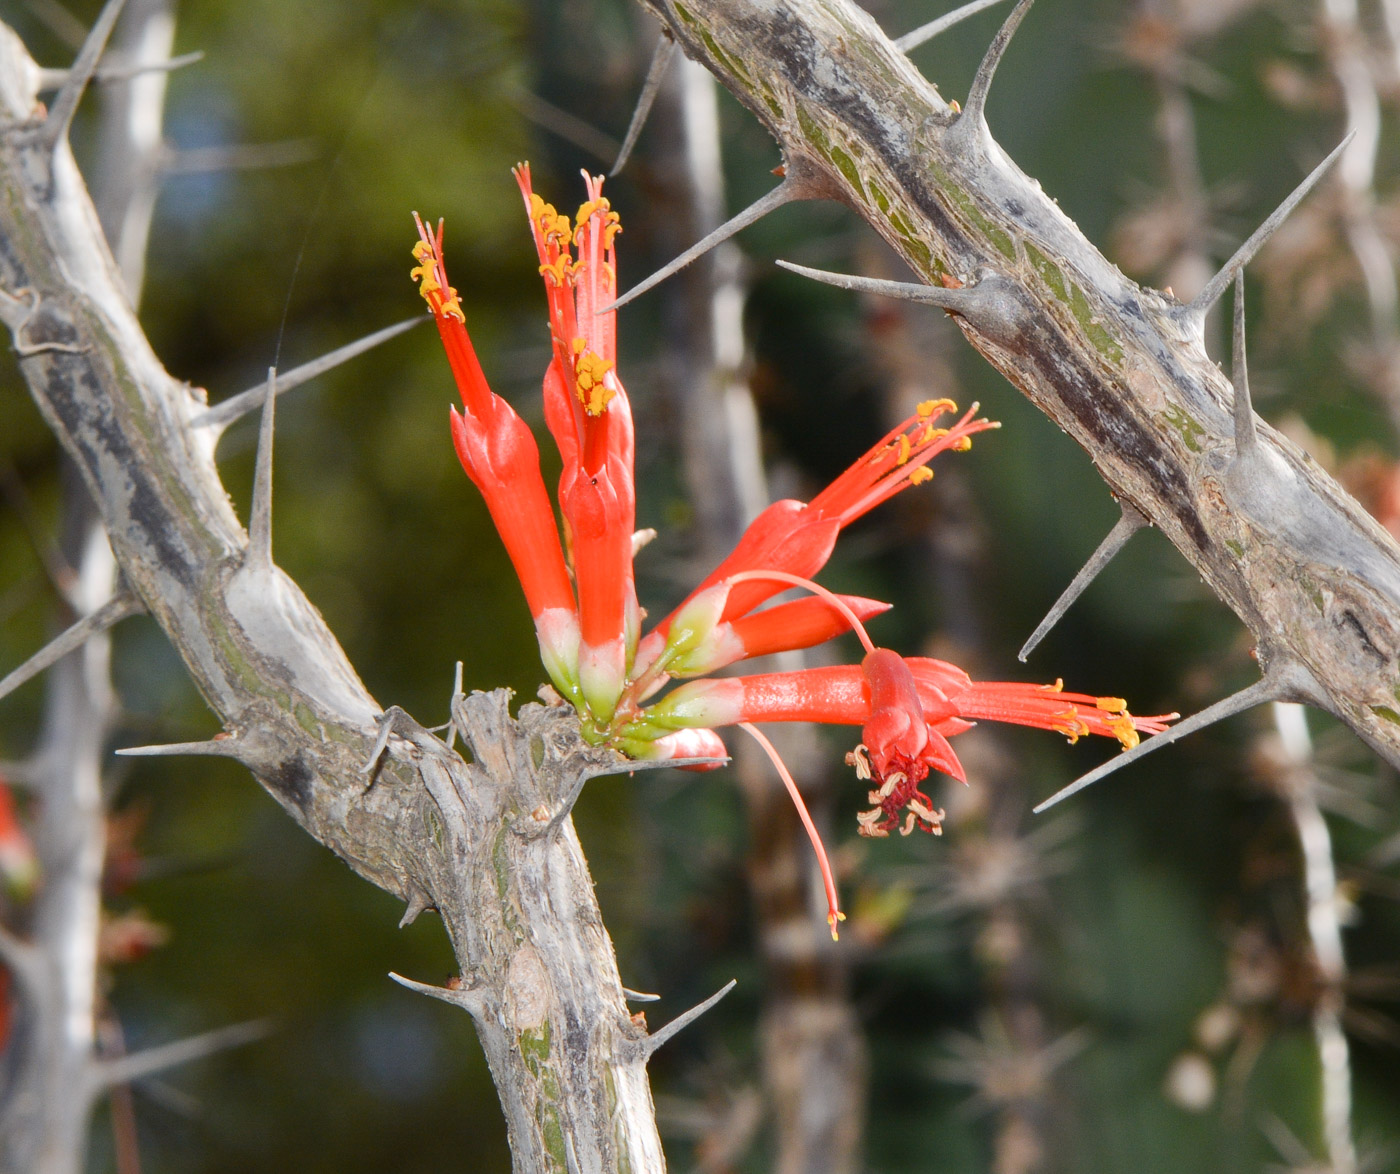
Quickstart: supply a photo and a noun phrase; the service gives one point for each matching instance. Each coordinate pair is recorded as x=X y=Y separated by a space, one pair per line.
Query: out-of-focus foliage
x=1172 y=890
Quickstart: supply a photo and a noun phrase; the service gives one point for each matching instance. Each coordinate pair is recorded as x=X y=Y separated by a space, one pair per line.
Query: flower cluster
x=581 y=590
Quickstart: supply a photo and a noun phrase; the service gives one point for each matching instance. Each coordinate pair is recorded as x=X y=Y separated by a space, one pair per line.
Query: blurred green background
x=1165 y=892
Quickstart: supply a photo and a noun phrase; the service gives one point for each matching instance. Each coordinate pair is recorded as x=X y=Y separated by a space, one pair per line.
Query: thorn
x=1128 y=524
x=1285 y=681
x=568 y=127
x=417 y=903
x=26 y=961
x=974 y=113
x=451 y=738
x=126 y=1069
x=659 y=1037
x=631 y=766
x=1246 y=437
x=117 y=608
x=926 y=32
x=789 y=190
x=214 y=747
x=238 y=157
x=53 y=79
x=389 y=722
x=639 y=997
x=259 y=552
x=956 y=300
x=656 y=72
x=989 y=303
x=1203 y=301
x=470 y=1000
x=65 y=105
x=224 y=413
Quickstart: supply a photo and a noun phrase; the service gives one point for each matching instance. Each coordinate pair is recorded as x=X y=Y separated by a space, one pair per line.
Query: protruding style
x=65 y=105
x=1128 y=524
x=684 y=1020
x=656 y=73
x=785 y=193
x=1200 y=305
x=974 y=113
x=1246 y=436
x=926 y=32
x=224 y=413
x=259 y=552
x=117 y=608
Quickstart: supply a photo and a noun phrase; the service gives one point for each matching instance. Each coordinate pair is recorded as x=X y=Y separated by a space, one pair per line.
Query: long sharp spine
x=1246 y=437
x=1128 y=524
x=65 y=105
x=926 y=32
x=1285 y=681
x=259 y=553
x=974 y=114
x=656 y=73
x=784 y=193
x=115 y=609
x=1200 y=306
x=224 y=413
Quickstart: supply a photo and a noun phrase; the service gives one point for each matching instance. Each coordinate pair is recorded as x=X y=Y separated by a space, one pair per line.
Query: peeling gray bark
x=490 y=845
x=1119 y=367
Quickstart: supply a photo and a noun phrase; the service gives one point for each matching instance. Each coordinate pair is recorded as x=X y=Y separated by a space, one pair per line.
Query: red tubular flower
x=587 y=412
x=499 y=454
x=798 y=538
x=908 y=707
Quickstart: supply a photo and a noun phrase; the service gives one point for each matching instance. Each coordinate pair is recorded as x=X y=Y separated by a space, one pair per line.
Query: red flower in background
x=582 y=593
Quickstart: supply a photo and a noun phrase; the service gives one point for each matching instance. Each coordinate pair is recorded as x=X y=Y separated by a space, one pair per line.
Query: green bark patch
x=1102 y=341
x=1189 y=430
x=1049 y=272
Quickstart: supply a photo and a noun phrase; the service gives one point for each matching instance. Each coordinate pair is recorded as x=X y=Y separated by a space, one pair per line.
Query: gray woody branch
x=1119 y=367
x=488 y=845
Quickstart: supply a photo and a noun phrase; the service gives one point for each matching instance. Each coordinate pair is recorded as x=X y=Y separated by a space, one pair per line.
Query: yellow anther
x=610 y=230
x=551 y=224
x=904 y=449
x=452 y=308
x=590 y=371
x=426 y=274
x=1124 y=730
x=1111 y=704
x=560 y=270
x=423 y=251
x=962 y=444
x=935 y=407
x=930 y=434
x=1057 y=687
x=920 y=475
